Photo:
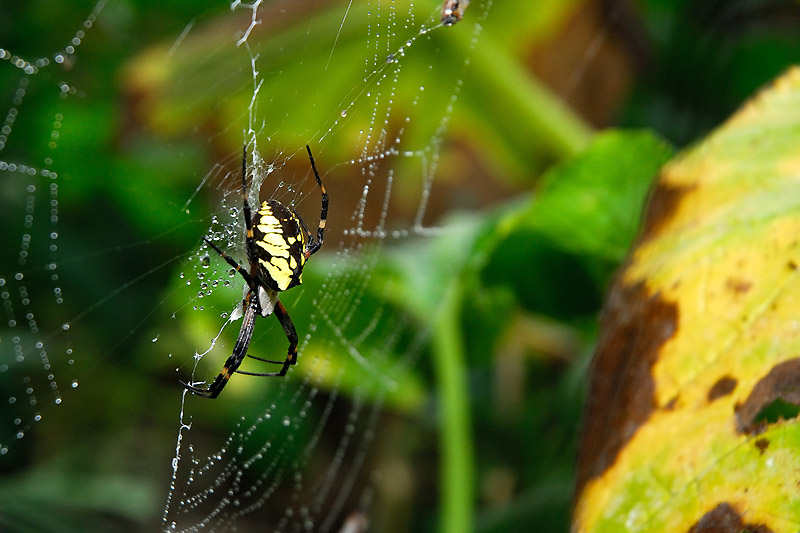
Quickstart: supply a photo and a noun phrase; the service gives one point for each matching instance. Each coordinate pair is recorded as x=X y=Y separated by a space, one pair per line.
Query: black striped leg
x=232 y=262
x=263 y=361
x=291 y=334
x=239 y=353
x=291 y=357
x=323 y=217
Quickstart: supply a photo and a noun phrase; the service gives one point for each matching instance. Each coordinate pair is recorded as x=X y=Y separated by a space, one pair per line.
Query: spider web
x=36 y=345
x=351 y=79
x=356 y=345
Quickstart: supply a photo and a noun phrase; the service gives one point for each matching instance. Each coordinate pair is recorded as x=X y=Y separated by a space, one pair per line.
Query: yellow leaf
x=691 y=422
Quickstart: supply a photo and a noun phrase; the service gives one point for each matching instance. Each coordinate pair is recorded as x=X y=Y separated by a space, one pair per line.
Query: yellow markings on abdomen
x=279 y=271
x=280 y=246
x=274 y=244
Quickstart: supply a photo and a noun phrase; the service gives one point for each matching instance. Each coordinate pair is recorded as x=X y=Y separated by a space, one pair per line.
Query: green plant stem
x=508 y=90
x=538 y=110
x=456 y=473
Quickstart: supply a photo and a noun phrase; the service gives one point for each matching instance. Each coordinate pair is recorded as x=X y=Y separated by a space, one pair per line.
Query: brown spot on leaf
x=670 y=405
x=792 y=265
x=738 y=286
x=634 y=326
x=782 y=383
x=664 y=200
x=762 y=445
x=724 y=386
x=724 y=518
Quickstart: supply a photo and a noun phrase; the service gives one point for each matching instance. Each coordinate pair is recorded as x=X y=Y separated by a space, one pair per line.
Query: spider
x=453 y=10
x=278 y=245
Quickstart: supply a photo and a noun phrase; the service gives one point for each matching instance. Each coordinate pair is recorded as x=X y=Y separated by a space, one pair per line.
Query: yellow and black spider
x=453 y=11
x=278 y=245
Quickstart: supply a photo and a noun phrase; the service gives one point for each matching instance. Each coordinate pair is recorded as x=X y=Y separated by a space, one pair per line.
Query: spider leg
x=291 y=356
x=205 y=393
x=323 y=217
x=232 y=262
x=263 y=360
x=236 y=358
x=291 y=334
x=263 y=374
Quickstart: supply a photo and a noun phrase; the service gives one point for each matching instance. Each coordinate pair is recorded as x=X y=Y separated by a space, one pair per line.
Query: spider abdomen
x=280 y=241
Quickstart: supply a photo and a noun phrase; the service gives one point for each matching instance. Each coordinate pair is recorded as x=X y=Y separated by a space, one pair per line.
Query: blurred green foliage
x=524 y=275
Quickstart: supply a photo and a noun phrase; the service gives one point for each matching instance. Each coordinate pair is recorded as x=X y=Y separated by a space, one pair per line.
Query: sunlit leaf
x=694 y=390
